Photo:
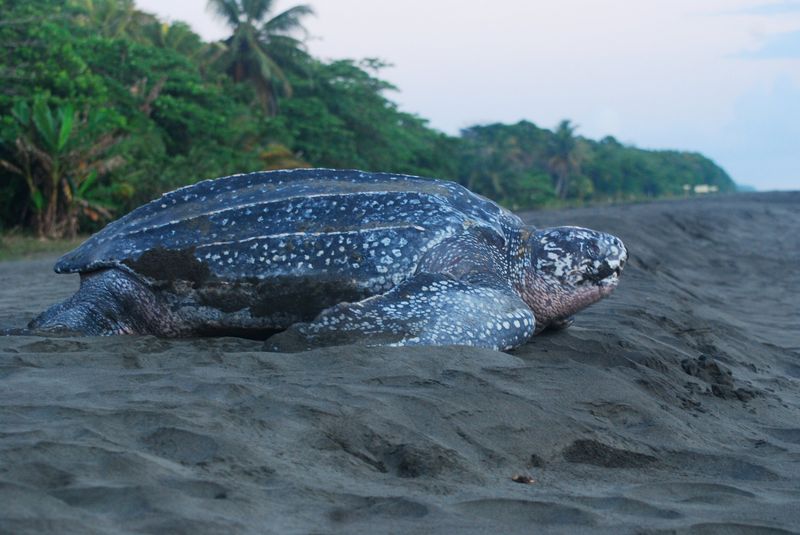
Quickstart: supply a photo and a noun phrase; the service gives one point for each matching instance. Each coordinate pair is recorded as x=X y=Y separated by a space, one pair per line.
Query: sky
x=720 y=77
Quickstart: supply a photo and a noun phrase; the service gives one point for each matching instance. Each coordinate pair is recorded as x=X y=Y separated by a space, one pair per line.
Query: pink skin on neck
x=551 y=299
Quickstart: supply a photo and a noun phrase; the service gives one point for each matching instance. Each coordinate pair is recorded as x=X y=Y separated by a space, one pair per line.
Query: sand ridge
x=671 y=406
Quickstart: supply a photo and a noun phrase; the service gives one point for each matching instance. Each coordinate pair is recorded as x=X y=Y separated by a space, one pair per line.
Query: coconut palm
x=564 y=156
x=260 y=48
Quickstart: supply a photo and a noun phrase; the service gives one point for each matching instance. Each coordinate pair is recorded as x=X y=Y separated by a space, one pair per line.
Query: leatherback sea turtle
x=391 y=258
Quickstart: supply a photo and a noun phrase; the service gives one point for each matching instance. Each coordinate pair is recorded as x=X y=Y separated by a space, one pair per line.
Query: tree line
x=103 y=107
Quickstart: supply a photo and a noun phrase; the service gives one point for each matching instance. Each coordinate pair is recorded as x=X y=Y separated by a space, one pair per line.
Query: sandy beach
x=673 y=406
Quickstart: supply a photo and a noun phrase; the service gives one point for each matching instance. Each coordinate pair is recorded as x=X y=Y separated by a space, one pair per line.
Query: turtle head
x=570 y=268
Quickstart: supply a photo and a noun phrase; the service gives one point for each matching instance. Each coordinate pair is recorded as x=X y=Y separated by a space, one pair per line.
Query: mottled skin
x=389 y=258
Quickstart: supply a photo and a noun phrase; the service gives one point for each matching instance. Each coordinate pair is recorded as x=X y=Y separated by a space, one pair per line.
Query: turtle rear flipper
x=108 y=302
x=427 y=309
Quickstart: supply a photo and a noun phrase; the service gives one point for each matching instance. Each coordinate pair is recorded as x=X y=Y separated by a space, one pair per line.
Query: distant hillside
x=521 y=164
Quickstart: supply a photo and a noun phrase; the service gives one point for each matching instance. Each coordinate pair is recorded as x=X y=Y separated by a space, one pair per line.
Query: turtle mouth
x=611 y=280
x=609 y=272
x=606 y=274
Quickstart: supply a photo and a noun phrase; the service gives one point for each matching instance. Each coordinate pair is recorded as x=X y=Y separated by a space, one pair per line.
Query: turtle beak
x=617 y=262
x=614 y=258
x=622 y=258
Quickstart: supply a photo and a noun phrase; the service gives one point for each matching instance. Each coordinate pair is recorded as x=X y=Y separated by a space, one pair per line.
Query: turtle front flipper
x=557 y=324
x=428 y=309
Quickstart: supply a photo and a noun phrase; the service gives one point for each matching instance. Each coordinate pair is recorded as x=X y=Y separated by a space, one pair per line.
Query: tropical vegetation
x=104 y=107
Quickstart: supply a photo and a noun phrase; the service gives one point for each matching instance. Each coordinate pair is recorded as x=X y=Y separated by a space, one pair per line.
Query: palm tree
x=260 y=48
x=565 y=158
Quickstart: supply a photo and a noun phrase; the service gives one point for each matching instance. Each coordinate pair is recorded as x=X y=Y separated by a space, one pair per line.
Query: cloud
x=774 y=8
x=779 y=46
x=759 y=144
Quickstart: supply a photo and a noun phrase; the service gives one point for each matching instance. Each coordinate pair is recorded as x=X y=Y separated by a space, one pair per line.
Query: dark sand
x=672 y=406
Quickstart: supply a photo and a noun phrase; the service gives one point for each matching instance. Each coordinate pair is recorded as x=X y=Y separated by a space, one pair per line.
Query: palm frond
x=266 y=66
x=256 y=10
x=288 y=20
x=227 y=10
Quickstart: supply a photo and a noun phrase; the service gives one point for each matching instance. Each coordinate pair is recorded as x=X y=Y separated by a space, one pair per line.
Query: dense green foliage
x=523 y=166
x=104 y=107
